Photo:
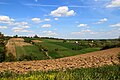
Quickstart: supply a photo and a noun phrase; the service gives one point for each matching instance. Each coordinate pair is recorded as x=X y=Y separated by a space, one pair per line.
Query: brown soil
x=15 y=42
x=93 y=59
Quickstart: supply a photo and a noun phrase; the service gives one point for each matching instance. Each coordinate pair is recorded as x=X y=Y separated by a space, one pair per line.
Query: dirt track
x=93 y=59
x=13 y=42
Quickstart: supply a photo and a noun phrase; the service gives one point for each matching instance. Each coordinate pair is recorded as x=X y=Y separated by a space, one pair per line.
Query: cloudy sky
x=61 y=18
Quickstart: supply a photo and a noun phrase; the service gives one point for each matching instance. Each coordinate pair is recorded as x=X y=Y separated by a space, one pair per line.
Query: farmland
x=21 y=50
x=93 y=59
x=59 y=59
x=40 y=49
x=59 y=49
x=85 y=67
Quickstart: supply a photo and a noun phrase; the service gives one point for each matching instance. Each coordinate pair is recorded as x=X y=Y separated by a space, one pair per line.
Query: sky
x=69 y=19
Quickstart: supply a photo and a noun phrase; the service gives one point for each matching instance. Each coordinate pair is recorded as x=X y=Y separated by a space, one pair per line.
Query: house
x=76 y=41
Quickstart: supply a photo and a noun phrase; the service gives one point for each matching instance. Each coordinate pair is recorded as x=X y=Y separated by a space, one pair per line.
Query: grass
x=58 y=49
x=30 y=50
x=66 y=53
x=100 y=73
x=1 y=49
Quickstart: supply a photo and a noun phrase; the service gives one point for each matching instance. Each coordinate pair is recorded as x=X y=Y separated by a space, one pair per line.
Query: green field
x=31 y=52
x=100 y=73
x=58 y=49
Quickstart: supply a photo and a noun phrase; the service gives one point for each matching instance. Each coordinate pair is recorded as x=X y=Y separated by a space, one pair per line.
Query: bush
x=27 y=57
x=2 y=57
x=2 y=52
x=45 y=48
x=56 y=49
x=108 y=47
x=10 y=57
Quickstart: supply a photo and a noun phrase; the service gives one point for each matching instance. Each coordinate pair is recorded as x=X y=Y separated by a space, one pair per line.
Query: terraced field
x=19 y=48
x=59 y=49
x=93 y=59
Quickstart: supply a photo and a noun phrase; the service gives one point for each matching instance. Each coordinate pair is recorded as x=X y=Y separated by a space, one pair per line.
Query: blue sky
x=81 y=19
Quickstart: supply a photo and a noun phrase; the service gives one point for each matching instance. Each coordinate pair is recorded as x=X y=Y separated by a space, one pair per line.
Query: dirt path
x=48 y=55
x=13 y=42
x=11 y=47
x=93 y=59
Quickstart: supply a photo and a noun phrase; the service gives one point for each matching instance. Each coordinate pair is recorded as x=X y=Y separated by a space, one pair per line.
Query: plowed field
x=93 y=59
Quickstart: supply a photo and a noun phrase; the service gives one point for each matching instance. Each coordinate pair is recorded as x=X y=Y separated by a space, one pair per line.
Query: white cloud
x=114 y=3
x=56 y=19
x=6 y=19
x=62 y=11
x=46 y=26
x=49 y=33
x=21 y=29
x=36 y=20
x=102 y=21
x=46 y=19
x=82 y=32
x=82 y=25
x=40 y=5
x=3 y=27
x=17 y=29
x=115 y=25
x=19 y=23
x=26 y=26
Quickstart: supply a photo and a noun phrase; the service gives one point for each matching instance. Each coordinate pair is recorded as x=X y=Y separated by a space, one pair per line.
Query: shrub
x=27 y=57
x=108 y=47
x=10 y=57
x=56 y=49
x=2 y=57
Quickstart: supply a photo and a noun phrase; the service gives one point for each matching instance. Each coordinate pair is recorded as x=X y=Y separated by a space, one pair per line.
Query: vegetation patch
x=100 y=73
x=29 y=53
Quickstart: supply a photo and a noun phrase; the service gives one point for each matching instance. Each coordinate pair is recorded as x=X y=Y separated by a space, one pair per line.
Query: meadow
x=29 y=53
x=60 y=49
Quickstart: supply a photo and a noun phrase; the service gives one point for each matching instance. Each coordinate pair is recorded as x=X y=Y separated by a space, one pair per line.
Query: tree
x=2 y=57
x=36 y=36
x=16 y=36
x=64 y=41
x=1 y=35
x=119 y=38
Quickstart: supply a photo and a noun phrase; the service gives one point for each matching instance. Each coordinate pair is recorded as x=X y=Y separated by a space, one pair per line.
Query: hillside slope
x=93 y=59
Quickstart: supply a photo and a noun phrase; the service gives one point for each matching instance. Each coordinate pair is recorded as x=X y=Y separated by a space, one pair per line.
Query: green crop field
x=59 y=49
x=32 y=51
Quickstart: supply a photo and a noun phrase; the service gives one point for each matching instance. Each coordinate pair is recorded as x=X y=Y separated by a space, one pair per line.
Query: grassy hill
x=59 y=49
